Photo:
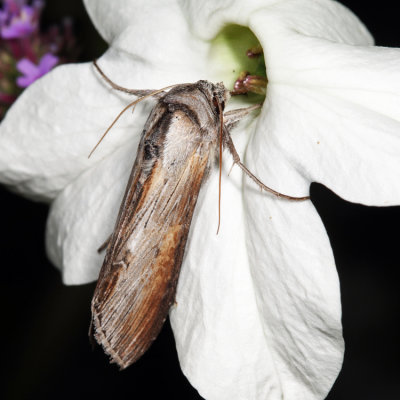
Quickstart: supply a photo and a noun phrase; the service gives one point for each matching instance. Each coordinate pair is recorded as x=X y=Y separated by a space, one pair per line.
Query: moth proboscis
x=138 y=279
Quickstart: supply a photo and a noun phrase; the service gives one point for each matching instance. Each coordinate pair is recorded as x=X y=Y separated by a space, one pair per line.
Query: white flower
x=258 y=306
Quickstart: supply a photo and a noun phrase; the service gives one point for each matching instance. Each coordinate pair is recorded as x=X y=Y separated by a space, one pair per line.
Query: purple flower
x=18 y=19
x=31 y=71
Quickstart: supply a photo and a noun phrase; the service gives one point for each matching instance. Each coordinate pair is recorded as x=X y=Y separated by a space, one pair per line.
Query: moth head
x=220 y=95
x=217 y=93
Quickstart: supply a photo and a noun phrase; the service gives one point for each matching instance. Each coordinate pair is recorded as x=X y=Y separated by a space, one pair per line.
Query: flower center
x=237 y=57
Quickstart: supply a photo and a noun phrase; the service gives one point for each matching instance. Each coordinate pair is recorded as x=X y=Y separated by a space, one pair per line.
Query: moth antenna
x=133 y=104
x=221 y=131
x=115 y=86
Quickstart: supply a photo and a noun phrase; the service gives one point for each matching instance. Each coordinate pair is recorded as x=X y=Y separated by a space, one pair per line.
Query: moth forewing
x=138 y=279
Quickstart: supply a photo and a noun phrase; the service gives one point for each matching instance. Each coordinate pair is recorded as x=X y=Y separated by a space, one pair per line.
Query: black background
x=45 y=349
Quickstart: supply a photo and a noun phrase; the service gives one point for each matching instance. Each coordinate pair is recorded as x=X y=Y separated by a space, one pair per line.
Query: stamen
x=247 y=83
x=255 y=52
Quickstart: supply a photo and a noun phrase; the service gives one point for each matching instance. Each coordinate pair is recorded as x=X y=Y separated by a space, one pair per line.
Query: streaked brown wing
x=137 y=282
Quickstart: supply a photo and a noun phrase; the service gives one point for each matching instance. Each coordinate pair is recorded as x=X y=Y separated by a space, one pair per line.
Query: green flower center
x=237 y=57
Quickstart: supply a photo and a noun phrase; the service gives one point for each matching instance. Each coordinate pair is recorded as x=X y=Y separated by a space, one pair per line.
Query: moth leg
x=236 y=160
x=104 y=245
x=92 y=339
x=233 y=117
x=135 y=92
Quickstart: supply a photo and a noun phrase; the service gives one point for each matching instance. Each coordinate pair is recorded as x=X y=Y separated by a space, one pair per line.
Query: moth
x=183 y=135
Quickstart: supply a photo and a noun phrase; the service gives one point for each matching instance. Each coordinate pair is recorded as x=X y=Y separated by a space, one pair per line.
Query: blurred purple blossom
x=17 y=19
x=26 y=49
x=31 y=71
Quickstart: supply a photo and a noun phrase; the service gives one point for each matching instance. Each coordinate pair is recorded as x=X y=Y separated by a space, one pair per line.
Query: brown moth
x=137 y=282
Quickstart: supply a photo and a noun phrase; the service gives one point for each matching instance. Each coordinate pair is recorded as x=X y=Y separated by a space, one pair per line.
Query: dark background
x=45 y=349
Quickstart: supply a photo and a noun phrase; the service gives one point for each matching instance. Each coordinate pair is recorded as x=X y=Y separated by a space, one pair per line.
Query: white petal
x=154 y=32
x=349 y=148
x=270 y=18
x=83 y=216
x=112 y=18
x=297 y=292
x=206 y=18
x=217 y=327
x=365 y=75
x=226 y=345
x=49 y=132
x=335 y=104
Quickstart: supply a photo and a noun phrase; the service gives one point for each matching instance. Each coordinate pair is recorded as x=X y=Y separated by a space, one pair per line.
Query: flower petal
x=226 y=347
x=27 y=67
x=25 y=81
x=111 y=18
x=336 y=64
x=219 y=338
x=348 y=147
x=47 y=62
x=297 y=292
x=269 y=18
x=218 y=334
x=16 y=30
x=49 y=147
x=154 y=32
x=83 y=216
x=332 y=104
